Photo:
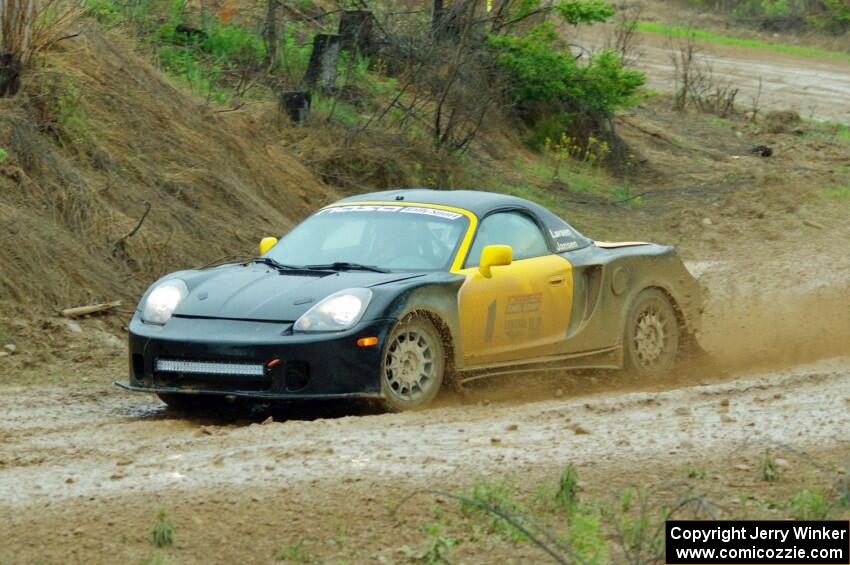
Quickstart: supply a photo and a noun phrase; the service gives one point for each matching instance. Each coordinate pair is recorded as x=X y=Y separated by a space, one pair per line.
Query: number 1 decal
x=491 y=322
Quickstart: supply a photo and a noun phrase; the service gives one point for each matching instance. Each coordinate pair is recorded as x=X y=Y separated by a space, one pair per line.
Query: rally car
x=392 y=295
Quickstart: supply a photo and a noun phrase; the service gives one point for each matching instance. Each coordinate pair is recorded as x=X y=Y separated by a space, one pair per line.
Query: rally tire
x=413 y=364
x=651 y=339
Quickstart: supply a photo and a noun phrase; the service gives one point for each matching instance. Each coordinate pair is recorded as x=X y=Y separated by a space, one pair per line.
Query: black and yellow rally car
x=390 y=295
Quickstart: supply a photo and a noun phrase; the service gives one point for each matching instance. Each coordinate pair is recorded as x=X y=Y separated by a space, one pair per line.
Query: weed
x=294 y=553
x=638 y=526
x=496 y=495
x=768 y=469
x=71 y=115
x=438 y=547
x=809 y=505
x=233 y=46
x=838 y=192
x=163 y=531
x=567 y=494
x=293 y=53
x=585 y=536
x=155 y=559
x=182 y=62
x=3 y=155
x=696 y=473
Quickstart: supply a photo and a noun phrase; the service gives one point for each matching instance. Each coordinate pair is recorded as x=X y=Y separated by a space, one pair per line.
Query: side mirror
x=495 y=256
x=266 y=244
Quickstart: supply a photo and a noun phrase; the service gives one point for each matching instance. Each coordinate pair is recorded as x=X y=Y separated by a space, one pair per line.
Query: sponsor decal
x=421 y=210
x=564 y=239
x=519 y=303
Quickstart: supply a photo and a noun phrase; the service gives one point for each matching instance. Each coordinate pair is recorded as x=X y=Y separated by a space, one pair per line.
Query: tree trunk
x=437 y=13
x=296 y=105
x=323 y=60
x=10 y=75
x=272 y=36
x=355 y=31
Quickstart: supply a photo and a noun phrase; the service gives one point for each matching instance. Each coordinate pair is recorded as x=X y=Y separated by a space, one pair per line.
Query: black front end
x=257 y=359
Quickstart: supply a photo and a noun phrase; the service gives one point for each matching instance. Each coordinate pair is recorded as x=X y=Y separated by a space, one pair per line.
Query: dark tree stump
x=10 y=75
x=296 y=105
x=323 y=60
x=355 y=31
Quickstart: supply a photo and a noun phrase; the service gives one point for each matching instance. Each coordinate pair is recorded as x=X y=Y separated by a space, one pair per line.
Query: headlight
x=337 y=312
x=163 y=300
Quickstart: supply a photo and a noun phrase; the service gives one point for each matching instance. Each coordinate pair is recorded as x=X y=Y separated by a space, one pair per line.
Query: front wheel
x=651 y=340
x=414 y=364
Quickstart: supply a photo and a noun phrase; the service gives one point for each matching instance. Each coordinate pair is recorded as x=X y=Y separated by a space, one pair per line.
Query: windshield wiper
x=345 y=266
x=276 y=264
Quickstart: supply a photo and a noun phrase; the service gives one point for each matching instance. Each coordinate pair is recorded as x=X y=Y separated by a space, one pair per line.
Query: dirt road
x=817 y=88
x=59 y=446
x=81 y=464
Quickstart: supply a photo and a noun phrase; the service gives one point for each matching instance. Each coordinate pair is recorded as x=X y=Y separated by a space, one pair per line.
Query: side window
x=508 y=228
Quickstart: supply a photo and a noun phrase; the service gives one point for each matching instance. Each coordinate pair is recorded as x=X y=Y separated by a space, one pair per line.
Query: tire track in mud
x=61 y=448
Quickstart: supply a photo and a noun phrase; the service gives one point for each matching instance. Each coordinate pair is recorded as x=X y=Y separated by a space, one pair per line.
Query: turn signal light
x=367 y=341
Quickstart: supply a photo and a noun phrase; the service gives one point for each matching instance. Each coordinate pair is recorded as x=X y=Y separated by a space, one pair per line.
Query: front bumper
x=327 y=365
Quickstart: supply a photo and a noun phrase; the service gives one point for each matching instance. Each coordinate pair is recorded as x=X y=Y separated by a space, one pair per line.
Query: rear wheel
x=651 y=340
x=414 y=364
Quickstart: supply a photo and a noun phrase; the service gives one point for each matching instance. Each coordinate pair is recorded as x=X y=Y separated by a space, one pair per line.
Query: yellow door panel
x=521 y=311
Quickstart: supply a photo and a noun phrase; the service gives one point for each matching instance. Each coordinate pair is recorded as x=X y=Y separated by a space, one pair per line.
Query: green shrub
x=163 y=531
x=233 y=45
x=549 y=127
x=584 y=11
x=560 y=95
x=201 y=77
x=835 y=16
x=586 y=536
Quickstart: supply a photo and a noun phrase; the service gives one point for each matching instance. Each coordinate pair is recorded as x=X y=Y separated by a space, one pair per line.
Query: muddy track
x=60 y=446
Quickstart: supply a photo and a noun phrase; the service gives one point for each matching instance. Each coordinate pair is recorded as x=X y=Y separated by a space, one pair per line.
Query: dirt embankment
x=98 y=136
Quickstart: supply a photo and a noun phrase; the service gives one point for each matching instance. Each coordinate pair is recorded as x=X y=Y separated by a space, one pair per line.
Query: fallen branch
x=90 y=309
x=136 y=228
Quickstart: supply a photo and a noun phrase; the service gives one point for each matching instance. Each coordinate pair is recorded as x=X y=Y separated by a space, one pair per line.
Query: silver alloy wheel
x=651 y=339
x=651 y=335
x=410 y=366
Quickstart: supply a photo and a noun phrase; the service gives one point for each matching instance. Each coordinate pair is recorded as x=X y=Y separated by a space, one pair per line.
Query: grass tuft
x=163 y=531
x=768 y=468
x=677 y=31
x=294 y=553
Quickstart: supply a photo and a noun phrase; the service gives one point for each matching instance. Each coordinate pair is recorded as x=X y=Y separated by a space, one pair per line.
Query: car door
x=522 y=311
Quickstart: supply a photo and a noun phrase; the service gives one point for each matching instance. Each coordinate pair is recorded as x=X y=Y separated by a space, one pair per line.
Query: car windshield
x=391 y=237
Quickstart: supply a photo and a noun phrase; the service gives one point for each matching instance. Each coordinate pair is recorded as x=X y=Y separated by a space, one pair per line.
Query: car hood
x=257 y=292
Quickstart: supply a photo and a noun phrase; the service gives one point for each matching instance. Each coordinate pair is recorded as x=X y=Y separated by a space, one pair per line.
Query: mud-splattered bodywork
x=565 y=309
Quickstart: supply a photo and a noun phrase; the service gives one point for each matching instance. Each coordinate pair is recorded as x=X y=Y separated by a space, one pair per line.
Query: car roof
x=478 y=202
